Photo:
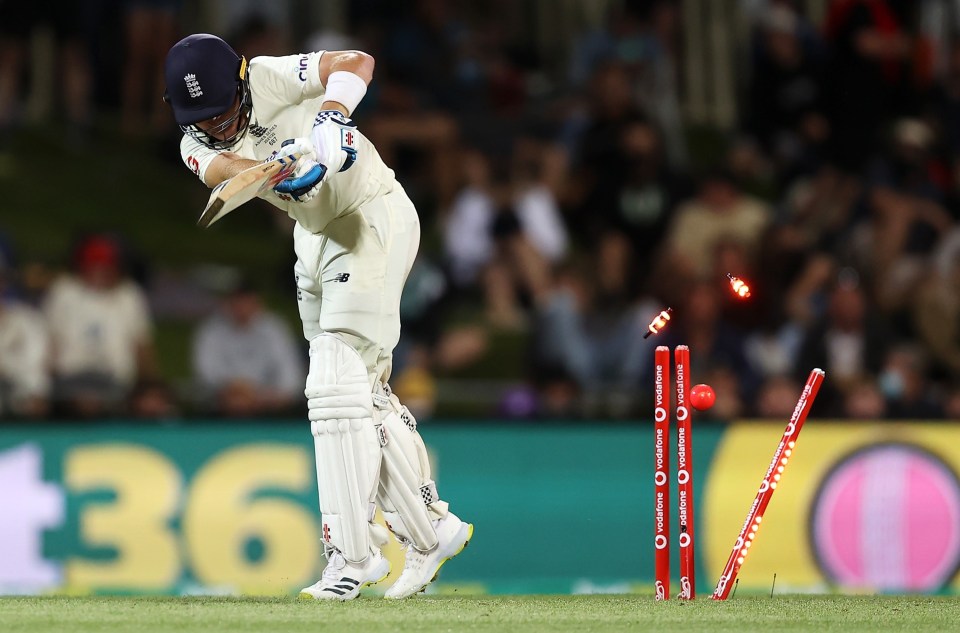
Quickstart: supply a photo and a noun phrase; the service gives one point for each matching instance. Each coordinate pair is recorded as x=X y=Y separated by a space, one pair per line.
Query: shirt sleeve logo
x=303 y=68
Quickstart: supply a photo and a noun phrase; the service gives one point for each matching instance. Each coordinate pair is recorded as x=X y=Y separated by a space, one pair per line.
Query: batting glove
x=334 y=139
x=334 y=149
x=305 y=182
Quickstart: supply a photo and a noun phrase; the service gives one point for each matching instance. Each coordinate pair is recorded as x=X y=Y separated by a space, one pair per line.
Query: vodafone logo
x=682 y=413
x=684 y=540
x=659 y=414
x=683 y=476
x=660 y=478
x=660 y=541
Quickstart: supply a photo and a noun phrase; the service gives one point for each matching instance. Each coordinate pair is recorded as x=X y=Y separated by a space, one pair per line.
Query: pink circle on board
x=887 y=518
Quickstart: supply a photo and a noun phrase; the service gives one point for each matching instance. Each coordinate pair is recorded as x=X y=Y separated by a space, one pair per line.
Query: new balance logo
x=342 y=277
x=193 y=87
x=257 y=130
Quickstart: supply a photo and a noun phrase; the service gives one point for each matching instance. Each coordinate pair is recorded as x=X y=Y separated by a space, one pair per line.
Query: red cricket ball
x=702 y=397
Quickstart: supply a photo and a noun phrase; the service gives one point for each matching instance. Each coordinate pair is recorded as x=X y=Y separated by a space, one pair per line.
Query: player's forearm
x=225 y=166
x=346 y=75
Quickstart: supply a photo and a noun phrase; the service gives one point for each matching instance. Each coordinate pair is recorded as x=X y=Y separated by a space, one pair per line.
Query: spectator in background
x=720 y=212
x=424 y=49
x=588 y=337
x=771 y=338
x=642 y=37
x=153 y=399
x=101 y=330
x=150 y=28
x=951 y=403
x=874 y=63
x=422 y=305
x=245 y=359
x=635 y=193
x=849 y=341
x=229 y=16
x=936 y=309
x=817 y=211
x=777 y=397
x=259 y=35
x=70 y=23
x=719 y=346
x=807 y=295
x=864 y=401
x=594 y=142
x=944 y=107
x=534 y=200
x=786 y=88
x=502 y=238
x=907 y=215
x=24 y=349
x=648 y=192
x=903 y=382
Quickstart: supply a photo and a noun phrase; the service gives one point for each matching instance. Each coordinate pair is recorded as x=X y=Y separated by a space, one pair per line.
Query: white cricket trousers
x=350 y=277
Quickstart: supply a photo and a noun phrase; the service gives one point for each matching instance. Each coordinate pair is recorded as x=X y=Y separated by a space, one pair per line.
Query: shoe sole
x=466 y=542
x=306 y=596
x=436 y=572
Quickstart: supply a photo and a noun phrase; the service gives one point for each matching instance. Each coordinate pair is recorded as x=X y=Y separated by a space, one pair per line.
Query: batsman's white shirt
x=356 y=240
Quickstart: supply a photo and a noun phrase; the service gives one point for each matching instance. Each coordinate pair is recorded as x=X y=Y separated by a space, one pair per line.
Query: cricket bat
x=246 y=186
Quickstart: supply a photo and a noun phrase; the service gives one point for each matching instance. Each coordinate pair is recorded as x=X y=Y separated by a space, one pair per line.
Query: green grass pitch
x=494 y=613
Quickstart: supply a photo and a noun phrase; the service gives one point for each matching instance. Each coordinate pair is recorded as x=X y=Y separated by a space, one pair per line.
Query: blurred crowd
x=564 y=205
x=85 y=347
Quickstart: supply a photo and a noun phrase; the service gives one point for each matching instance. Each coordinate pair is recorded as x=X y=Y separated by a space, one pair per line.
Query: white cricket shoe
x=421 y=568
x=343 y=580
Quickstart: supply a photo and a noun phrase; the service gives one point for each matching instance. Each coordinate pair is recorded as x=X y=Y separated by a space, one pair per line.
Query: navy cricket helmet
x=206 y=78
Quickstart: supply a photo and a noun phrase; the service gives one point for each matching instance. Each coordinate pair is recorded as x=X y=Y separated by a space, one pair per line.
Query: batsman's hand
x=304 y=184
x=332 y=148
x=334 y=139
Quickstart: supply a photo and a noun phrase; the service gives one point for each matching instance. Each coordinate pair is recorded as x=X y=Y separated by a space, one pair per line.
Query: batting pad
x=346 y=444
x=407 y=495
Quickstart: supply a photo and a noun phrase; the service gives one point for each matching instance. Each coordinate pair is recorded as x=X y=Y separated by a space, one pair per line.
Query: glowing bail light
x=658 y=323
x=740 y=287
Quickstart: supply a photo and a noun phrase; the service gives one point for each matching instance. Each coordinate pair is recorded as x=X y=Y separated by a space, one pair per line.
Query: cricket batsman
x=356 y=234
